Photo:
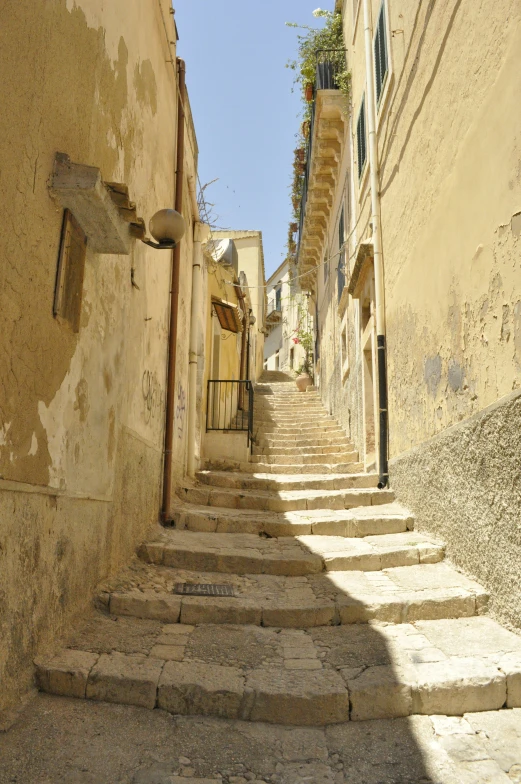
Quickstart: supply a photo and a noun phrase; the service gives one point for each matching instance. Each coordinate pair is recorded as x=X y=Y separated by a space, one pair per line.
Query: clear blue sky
x=245 y=114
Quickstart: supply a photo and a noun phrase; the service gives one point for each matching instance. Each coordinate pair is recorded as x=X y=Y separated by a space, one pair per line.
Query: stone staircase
x=340 y=611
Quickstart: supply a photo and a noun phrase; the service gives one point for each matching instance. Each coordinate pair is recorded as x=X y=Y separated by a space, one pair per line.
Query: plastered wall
x=81 y=415
x=450 y=174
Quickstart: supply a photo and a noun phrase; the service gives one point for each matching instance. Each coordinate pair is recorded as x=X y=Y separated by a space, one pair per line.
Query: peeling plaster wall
x=451 y=206
x=450 y=186
x=81 y=416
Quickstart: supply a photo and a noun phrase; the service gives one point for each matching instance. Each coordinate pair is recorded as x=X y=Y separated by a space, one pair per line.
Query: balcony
x=274 y=314
x=325 y=146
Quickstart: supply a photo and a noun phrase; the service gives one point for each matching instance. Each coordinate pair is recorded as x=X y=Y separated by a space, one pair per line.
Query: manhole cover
x=204 y=589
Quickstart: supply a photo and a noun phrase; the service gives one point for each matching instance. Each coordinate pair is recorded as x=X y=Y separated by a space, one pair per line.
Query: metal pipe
x=174 y=301
x=193 y=357
x=378 y=255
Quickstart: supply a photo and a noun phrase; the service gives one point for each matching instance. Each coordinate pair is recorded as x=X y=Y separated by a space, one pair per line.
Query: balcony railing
x=327 y=68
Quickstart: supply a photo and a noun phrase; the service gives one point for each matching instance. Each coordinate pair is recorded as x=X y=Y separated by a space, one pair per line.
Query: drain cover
x=204 y=589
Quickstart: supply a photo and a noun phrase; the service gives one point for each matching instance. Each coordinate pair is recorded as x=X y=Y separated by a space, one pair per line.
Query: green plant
x=328 y=38
x=306 y=339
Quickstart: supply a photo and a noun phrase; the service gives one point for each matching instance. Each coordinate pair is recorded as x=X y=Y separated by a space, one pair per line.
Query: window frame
x=381 y=102
x=361 y=169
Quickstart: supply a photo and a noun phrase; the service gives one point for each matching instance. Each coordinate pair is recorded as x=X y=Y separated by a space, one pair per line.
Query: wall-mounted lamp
x=167 y=227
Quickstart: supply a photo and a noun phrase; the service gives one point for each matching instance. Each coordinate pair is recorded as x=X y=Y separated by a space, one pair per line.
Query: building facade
x=409 y=241
x=287 y=318
x=99 y=332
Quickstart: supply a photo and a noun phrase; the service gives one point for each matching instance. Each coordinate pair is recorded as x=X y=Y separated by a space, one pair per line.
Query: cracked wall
x=81 y=415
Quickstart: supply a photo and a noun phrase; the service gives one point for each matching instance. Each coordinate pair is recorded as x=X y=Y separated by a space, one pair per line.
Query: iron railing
x=229 y=406
x=327 y=68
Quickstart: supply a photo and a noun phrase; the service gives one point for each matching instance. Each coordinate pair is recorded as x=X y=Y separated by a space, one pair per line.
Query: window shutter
x=341 y=256
x=361 y=138
x=380 y=54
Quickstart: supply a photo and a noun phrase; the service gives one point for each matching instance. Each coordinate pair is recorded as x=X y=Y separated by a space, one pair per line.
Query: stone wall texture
x=464 y=486
x=81 y=414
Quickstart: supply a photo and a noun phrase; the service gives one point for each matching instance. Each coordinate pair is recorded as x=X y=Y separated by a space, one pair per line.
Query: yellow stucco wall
x=81 y=415
x=450 y=176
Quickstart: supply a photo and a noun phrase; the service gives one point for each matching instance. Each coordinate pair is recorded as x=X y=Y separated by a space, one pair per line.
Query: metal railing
x=326 y=71
x=229 y=406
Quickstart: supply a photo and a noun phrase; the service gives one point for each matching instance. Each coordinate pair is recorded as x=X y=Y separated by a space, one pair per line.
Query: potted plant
x=293 y=227
x=308 y=91
x=300 y=154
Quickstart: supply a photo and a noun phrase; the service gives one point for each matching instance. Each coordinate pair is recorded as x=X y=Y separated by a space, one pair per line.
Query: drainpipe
x=197 y=298
x=383 y=462
x=174 y=301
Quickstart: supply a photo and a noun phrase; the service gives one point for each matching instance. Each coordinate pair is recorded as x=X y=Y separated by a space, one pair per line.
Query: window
x=69 y=276
x=278 y=291
x=361 y=139
x=341 y=256
x=381 y=59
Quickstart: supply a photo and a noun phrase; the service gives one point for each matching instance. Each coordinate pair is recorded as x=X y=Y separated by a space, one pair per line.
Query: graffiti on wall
x=180 y=410
x=152 y=395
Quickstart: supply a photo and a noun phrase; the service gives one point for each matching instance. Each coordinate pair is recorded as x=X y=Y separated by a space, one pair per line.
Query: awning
x=228 y=315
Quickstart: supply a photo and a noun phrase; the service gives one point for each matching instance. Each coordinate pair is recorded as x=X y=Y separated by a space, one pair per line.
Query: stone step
x=358 y=522
x=397 y=595
x=344 y=454
x=304 y=459
x=313 y=468
x=309 y=428
x=304 y=441
x=243 y=553
x=245 y=481
x=320 y=676
x=297 y=419
x=284 y=500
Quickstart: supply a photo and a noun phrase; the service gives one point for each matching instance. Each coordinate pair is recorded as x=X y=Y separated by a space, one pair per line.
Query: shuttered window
x=341 y=256
x=381 y=59
x=361 y=138
x=69 y=276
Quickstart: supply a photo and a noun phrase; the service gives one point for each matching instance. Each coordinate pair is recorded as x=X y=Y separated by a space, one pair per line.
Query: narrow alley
x=260 y=392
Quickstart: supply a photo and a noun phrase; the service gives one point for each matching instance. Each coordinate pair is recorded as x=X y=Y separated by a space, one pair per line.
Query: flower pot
x=303 y=382
x=293 y=227
x=308 y=92
x=304 y=129
x=300 y=154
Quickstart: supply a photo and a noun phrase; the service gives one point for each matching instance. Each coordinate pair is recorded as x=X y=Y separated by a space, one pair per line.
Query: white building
x=287 y=316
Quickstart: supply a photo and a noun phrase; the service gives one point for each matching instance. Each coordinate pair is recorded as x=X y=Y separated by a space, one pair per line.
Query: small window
x=341 y=255
x=278 y=298
x=361 y=139
x=69 y=275
x=381 y=59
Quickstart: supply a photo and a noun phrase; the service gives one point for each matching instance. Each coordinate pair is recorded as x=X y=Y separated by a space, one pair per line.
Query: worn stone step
x=289 y=420
x=245 y=481
x=397 y=595
x=361 y=521
x=303 y=441
x=284 y=500
x=297 y=452
x=243 y=553
x=309 y=428
x=312 y=468
x=305 y=459
x=318 y=676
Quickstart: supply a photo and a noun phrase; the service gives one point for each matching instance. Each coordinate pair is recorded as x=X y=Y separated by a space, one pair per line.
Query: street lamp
x=167 y=227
